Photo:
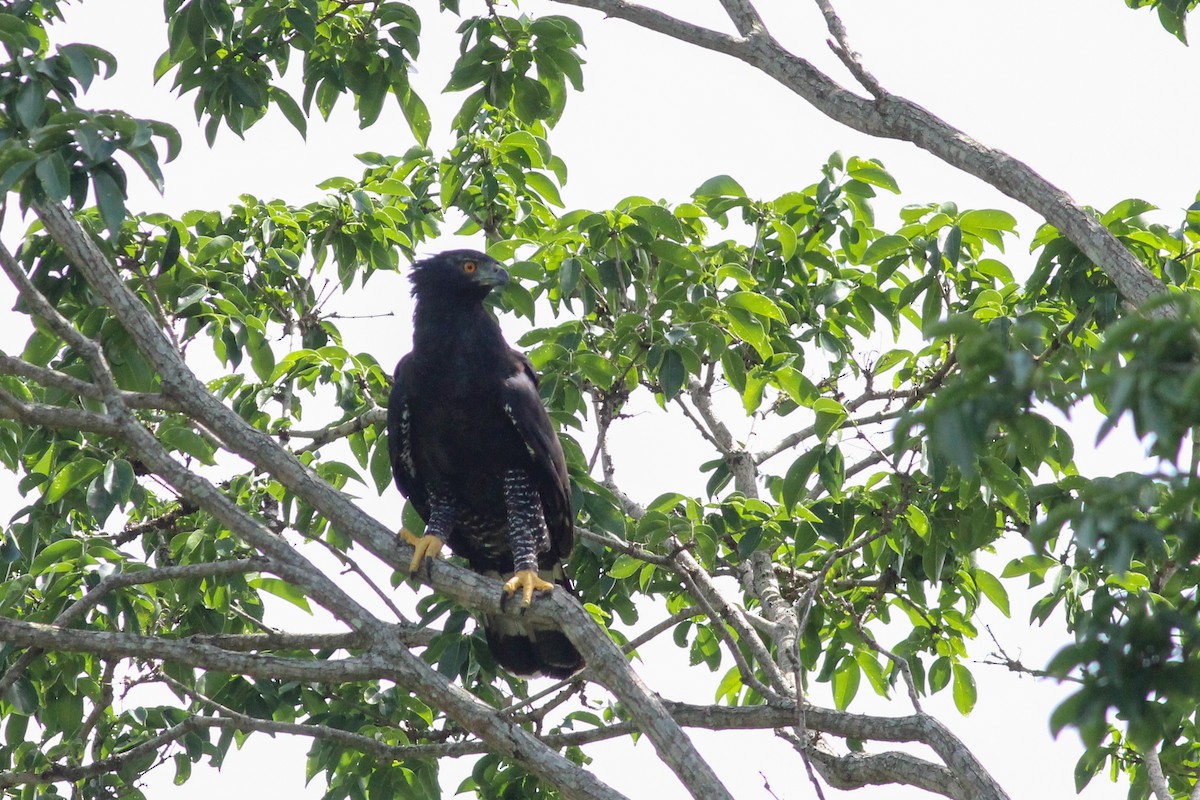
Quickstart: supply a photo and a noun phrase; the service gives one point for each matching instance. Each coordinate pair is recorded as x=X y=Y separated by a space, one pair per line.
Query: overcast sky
x=1096 y=97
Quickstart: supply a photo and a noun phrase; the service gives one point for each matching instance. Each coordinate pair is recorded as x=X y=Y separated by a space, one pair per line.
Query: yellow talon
x=425 y=546
x=528 y=581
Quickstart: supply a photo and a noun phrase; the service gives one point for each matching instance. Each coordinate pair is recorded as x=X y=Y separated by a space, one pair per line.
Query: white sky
x=1094 y=96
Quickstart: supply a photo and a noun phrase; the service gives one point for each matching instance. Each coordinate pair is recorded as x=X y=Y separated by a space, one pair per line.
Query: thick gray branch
x=856 y=770
x=411 y=635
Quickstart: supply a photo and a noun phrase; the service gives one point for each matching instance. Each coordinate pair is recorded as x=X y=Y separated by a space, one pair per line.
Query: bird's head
x=467 y=274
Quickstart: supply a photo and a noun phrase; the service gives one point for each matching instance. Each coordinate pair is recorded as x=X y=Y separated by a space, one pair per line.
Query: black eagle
x=473 y=450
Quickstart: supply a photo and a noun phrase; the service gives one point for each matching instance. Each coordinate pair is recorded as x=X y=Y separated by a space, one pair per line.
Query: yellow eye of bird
x=469 y=267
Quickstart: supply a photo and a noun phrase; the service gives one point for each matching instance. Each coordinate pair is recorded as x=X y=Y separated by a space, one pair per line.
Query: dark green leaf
x=110 y=199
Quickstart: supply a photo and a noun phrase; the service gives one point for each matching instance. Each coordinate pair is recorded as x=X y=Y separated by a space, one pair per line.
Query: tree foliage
x=911 y=379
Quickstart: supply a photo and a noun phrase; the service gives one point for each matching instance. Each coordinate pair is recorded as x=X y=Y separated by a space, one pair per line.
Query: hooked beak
x=493 y=275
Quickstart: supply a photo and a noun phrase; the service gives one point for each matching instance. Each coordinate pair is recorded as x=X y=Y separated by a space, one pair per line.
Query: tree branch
x=76 y=610
x=893 y=117
x=1154 y=771
x=744 y=15
x=848 y=55
x=66 y=772
x=330 y=433
x=60 y=380
x=411 y=635
x=856 y=770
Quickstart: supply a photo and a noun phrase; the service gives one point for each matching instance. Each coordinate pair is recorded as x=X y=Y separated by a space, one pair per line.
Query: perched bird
x=472 y=448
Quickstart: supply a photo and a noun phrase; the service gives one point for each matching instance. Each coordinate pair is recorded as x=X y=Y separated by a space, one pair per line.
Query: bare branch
x=68 y=383
x=1003 y=659
x=613 y=543
x=657 y=21
x=856 y=770
x=88 y=350
x=745 y=16
x=702 y=591
x=54 y=417
x=848 y=55
x=684 y=614
x=702 y=399
x=724 y=612
x=340 y=430
x=687 y=412
x=1154 y=770
x=410 y=635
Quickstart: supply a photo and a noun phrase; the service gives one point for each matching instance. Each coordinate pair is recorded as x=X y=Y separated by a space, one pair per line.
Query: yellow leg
x=426 y=547
x=528 y=581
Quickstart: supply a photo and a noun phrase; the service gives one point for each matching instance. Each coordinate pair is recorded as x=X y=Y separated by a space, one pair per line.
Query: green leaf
x=988 y=219
x=965 y=692
x=531 y=100
x=289 y=107
x=186 y=440
x=1029 y=565
x=830 y=416
x=719 y=186
x=672 y=374
x=381 y=465
x=55 y=177
x=70 y=476
x=787 y=238
x=883 y=247
x=170 y=254
x=675 y=254
x=1004 y=484
x=757 y=304
x=660 y=220
x=262 y=359
x=625 y=566
x=872 y=173
x=283 y=590
x=846 y=679
x=832 y=469
x=110 y=199
x=544 y=187
x=992 y=589
x=940 y=672
x=918 y=521
x=747 y=328
x=23 y=697
x=416 y=113
x=214 y=248
x=62 y=551
x=1126 y=209
x=183 y=768
x=119 y=479
x=798 y=474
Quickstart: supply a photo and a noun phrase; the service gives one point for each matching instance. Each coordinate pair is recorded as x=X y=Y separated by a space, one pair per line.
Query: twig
x=848 y=55
x=687 y=412
x=340 y=430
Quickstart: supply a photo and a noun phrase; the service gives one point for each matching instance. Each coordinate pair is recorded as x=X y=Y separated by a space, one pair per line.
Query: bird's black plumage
x=472 y=448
